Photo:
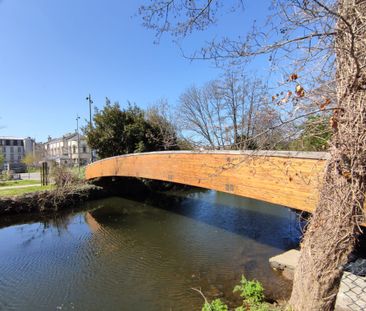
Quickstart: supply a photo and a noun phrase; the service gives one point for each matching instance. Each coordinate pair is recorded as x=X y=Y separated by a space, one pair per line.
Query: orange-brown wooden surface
x=280 y=179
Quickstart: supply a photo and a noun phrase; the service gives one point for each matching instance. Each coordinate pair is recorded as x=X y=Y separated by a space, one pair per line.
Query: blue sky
x=54 y=53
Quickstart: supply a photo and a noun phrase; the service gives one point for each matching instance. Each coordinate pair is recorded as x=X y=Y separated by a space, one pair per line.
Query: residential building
x=67 y=150
x=14 y=150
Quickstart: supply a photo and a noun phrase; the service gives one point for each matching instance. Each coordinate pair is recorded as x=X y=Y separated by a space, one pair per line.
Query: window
x=73 y=149
x=12 y=157
x=84 y=149
x=7 y=142
x=19 y=157
x=19 y=149
x=11 y=149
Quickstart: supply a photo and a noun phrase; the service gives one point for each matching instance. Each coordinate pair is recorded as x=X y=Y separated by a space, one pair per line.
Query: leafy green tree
x=163 y=126
x=31 y=161
x=119 y=131
x=315 y=135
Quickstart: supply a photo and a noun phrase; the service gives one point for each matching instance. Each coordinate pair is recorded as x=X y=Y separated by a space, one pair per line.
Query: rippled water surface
x=121 y=254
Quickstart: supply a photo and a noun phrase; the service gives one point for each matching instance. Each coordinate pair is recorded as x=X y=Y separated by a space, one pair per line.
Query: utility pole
x=77 y=130
x=90 y=123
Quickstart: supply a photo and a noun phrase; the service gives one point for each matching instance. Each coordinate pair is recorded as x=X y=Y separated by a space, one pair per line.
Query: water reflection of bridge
x=287 y=178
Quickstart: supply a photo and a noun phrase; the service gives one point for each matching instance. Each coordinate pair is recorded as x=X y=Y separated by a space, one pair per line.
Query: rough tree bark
x=333 y=229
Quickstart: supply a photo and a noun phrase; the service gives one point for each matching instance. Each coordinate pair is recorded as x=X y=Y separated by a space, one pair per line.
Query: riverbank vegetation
x=66 y=190
x=51 y=199
x=252 y=293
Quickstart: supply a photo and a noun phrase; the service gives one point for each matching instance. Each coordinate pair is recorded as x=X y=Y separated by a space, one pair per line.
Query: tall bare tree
x=199 y=114
x=324 y=42
x=228 y=113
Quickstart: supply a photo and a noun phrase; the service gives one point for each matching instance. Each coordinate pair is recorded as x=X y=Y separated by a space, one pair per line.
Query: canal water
x=123 y=254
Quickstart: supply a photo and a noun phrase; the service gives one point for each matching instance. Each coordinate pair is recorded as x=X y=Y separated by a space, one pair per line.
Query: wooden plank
x=282 y=178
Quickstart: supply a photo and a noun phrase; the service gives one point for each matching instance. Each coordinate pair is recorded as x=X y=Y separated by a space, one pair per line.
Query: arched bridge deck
x=287 y=178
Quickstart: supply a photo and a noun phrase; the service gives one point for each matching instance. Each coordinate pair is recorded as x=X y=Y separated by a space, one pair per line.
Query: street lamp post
x=90 y=123
x=77 y=130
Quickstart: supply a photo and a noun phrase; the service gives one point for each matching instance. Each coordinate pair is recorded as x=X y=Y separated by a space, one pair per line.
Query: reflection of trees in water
x=36 y=227
x=56 y=220
x=60 y=222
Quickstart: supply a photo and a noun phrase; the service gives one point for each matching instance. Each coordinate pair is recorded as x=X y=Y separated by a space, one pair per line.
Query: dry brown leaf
x=324 y=104
x=300 y=92
x=293 y=77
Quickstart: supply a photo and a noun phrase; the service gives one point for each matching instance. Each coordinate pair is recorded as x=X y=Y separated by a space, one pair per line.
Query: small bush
x=64 y=177
x=215 y=305
x=251 y=291
x=7 y=175
x=259 y=307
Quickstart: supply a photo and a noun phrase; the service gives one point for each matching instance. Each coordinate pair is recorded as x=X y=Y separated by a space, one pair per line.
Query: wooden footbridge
x=287 y=178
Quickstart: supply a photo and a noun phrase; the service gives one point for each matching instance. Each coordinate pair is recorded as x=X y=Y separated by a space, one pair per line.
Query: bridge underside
x=286 y=178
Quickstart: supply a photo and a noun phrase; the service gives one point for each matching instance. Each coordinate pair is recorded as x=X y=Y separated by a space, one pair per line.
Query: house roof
x=13 y=137
x=65 y=137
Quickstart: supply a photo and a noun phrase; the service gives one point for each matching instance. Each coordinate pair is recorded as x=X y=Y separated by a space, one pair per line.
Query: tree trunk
x=332 y=231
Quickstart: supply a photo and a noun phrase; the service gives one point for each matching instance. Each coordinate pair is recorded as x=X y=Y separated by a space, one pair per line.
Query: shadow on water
x=269 y=224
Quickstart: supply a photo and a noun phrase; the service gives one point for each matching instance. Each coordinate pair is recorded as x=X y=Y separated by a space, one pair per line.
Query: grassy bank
x=20 y=191
x=9 y=183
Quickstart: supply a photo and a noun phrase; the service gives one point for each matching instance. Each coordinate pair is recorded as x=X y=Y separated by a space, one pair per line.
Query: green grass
x=19 y=191
x=9 y=183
